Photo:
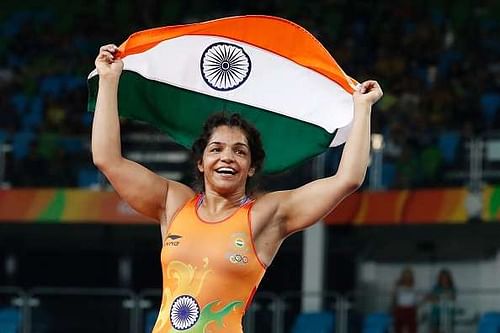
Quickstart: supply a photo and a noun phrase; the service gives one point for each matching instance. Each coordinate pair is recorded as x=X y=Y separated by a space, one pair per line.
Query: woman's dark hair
x=257 y=153
x=405 y=272
x=445 y=273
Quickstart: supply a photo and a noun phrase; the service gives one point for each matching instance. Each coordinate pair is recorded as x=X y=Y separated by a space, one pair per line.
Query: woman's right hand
x=108 y=63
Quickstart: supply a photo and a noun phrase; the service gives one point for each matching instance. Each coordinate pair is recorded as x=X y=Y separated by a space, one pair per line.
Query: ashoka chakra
x=184 y=312
x=225 y=66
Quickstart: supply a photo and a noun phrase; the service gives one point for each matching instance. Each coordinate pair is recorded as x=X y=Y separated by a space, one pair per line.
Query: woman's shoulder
x=268 y=199
x=177 y=197
x=267 y=206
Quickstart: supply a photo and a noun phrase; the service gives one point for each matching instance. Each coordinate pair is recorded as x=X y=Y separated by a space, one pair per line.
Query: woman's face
x=226 y=162
x=407 y=277
x=444 y=280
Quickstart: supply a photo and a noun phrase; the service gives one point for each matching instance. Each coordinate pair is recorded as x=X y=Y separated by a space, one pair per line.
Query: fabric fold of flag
x=270 y=70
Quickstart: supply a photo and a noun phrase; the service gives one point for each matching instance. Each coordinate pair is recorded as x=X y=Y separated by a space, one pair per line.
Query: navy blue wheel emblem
x=225 y=66
x=184 y=312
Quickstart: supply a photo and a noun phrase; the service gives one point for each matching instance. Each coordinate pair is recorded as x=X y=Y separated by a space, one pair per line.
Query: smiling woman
x=217 y=134
x=226 y=161
x=224 y=238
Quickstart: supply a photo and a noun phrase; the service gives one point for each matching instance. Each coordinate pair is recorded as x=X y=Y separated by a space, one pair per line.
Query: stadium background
x=430 y=200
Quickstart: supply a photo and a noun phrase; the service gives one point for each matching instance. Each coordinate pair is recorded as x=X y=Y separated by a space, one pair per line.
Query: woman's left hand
x=368 y=92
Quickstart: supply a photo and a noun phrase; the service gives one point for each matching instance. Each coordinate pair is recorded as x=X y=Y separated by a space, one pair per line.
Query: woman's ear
x=199 y=164
x=251 y=172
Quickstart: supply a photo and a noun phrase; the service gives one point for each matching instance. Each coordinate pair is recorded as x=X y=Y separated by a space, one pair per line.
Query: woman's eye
x=241 y=152
x=215 y=150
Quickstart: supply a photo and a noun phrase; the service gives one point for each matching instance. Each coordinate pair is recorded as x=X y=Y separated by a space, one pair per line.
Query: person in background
x=404 y=303
x=442 y=298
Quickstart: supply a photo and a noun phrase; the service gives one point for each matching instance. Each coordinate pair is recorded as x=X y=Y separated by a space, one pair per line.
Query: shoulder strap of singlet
x=247 y=203
x=198 y=199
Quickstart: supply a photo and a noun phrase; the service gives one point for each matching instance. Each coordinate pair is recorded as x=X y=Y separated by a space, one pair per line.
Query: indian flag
x=270 y=70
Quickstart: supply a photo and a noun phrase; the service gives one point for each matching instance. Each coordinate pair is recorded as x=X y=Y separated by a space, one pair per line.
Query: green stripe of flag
x=181 y=113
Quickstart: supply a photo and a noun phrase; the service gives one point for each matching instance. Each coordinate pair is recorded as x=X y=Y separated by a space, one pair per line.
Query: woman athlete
x=218 y=243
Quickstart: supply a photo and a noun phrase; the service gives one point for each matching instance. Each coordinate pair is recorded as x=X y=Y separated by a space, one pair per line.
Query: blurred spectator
x=62 y=169
x=30 y=171
x=404 y=303
x=407 y=168
x=394 y=142
x=440 y=73
x=442 y=299
x=431 y=162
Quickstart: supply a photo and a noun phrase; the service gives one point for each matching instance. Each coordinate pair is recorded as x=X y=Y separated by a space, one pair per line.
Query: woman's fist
x=368 y=92
x=108 y=63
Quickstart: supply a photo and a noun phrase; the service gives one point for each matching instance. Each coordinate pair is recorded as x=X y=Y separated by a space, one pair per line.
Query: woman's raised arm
x=304 y=206
x=142 y=189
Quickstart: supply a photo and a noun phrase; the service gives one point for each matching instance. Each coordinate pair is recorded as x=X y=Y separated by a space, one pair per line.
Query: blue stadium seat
x=490 y=103
x=448 y=145
x=315 y=322
x=446 y=59
x=88 y=177
x=378 y=322
x=489 y=323
x=10 y=320
x=87 y=118
x=73 y=82
x=3 y=136
x=34 y=118
x=37 y=105
x=51 y=86
x=388 y=174
x=19 y=102
x=150 y=320
x=72 y=145
x=21 y=144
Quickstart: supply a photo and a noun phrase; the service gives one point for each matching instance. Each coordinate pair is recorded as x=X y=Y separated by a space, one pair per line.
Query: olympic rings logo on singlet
x=238 y=259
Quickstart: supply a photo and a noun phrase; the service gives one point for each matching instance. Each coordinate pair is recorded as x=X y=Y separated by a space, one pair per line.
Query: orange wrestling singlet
x=210 y=272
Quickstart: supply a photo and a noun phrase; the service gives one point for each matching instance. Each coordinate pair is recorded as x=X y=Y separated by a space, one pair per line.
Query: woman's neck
x=216 y=202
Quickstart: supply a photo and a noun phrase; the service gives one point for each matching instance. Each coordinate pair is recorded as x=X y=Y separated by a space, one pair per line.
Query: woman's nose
x=227 y=155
